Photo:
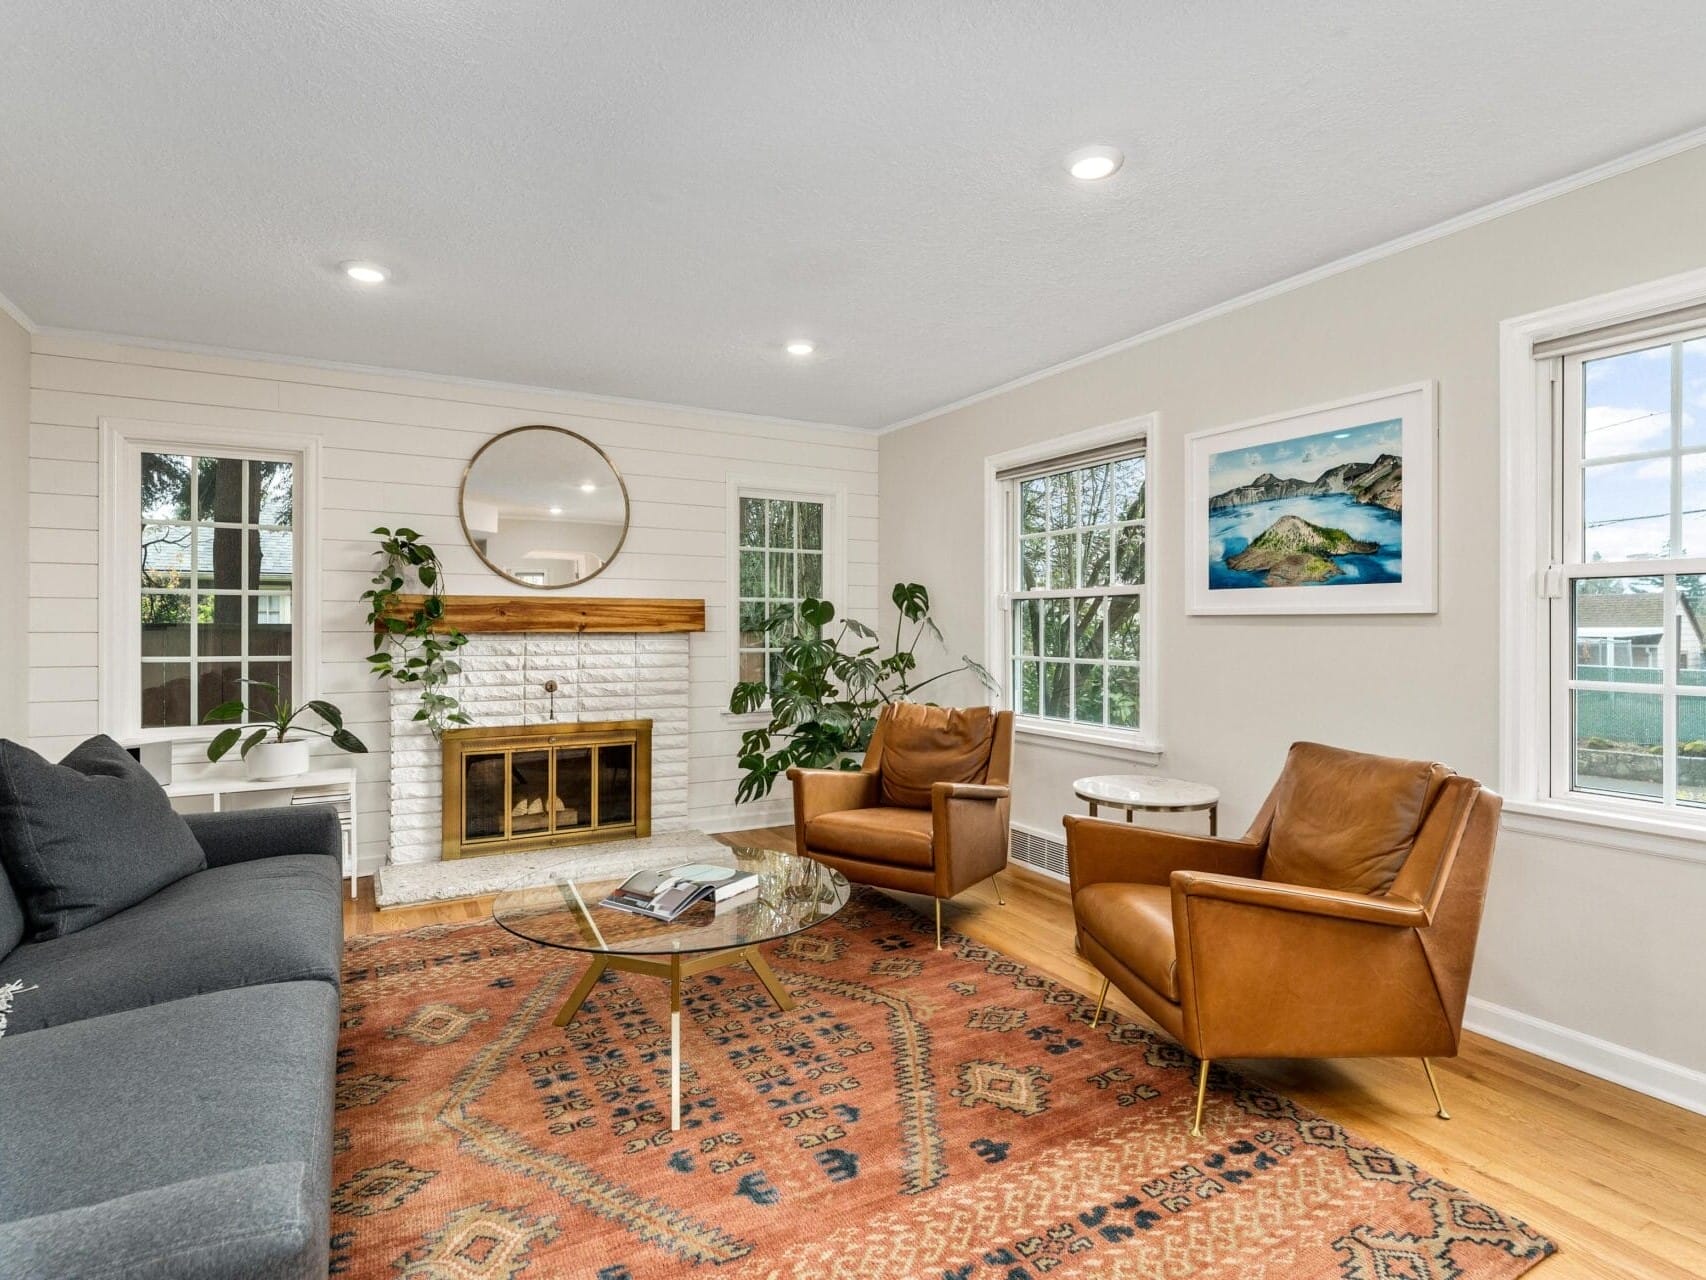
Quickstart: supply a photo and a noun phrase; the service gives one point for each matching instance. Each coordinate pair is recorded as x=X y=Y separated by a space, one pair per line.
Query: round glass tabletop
x=793 y=894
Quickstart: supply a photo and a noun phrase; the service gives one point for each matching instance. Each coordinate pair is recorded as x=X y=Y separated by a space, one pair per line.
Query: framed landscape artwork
x=1325 y=510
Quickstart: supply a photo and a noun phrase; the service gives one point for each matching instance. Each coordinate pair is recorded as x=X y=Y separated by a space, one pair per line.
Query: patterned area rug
x=921 y=1114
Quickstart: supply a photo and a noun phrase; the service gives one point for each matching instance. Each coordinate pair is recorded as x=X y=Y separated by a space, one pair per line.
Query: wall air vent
x=1039 y=852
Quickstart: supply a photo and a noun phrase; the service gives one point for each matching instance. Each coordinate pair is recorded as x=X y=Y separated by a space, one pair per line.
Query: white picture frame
x=1329 y=509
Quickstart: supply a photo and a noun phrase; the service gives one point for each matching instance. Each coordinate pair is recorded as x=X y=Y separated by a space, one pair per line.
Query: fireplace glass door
x=483 y=795
x=535 y=786
x=615 y=783
x=529 y=792
x=574 y=787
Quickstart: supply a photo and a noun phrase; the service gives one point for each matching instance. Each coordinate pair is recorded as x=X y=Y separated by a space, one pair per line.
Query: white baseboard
x=1655 y=1077
x=773 y=812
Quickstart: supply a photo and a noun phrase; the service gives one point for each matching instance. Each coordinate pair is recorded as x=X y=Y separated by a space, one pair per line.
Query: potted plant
x=411 y=644
x=270 y=751
x=832 y=687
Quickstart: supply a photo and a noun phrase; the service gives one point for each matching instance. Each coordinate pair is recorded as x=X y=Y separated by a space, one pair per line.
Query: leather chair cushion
x=1346 y=821
x=1134 y=923
x=898 y=837
x=924 y=745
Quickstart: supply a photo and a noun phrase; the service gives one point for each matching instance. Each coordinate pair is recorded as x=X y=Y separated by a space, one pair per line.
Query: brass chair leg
x=938 y=924
x=1434 y=1085
x=1100 y=1001
x=1202 y=1091
x=996 y=881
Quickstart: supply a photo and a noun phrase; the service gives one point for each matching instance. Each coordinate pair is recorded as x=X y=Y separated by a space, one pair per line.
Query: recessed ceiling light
x=589 y=487
x=1092 y=164
x=365 y=272
x=556 y=511
x=800 y=347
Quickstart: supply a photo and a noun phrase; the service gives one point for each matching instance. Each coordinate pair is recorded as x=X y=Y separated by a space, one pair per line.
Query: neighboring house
x=1626 y=632
x=166 y=567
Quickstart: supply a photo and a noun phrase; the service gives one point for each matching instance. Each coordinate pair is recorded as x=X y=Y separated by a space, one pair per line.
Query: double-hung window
x=1076 y=587
x=205 y=577
x=1626 y=595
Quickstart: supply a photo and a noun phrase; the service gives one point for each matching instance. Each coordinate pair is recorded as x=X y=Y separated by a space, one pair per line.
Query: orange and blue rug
x=921 y=1113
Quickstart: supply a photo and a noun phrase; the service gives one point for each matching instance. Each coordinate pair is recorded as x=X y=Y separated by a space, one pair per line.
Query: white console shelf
x=335 y=787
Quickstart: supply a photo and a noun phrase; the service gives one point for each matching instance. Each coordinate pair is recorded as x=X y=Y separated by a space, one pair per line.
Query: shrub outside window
x=781 y=551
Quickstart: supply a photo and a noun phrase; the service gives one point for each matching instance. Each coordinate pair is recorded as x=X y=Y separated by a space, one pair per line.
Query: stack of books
x=667 y=892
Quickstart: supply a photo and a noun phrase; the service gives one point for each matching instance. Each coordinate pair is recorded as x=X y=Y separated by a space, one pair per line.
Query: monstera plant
x=834 y=680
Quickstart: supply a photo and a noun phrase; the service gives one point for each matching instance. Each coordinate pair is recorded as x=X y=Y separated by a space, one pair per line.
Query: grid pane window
x=1630 y=626
x=1077 y=581
x=217 y=584
x=781 y=550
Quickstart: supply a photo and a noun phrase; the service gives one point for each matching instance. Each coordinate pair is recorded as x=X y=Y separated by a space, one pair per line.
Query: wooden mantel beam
x=572 y=614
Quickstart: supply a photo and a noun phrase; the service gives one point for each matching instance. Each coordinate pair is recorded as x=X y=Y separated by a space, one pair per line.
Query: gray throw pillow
x=11 y=916
x=87 y=837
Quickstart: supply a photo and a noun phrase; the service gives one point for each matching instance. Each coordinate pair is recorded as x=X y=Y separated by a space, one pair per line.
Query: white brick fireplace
x=598 y=676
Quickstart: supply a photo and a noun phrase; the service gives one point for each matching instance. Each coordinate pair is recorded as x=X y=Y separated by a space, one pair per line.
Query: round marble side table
x=1134 y=791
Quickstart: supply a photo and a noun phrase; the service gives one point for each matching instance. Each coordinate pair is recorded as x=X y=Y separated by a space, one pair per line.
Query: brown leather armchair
x=927 y=811
x=1343 y=924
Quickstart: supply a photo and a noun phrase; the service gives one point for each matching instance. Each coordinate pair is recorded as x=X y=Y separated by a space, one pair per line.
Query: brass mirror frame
x=462 y=507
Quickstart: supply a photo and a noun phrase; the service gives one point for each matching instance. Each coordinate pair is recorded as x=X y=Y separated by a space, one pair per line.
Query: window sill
x=750 y=718
x=1112 y=743
x=191 y=735
x=1608 y=826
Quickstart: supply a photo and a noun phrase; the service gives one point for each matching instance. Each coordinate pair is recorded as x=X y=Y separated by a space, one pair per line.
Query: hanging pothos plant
x=408 y=646
x=825 y=703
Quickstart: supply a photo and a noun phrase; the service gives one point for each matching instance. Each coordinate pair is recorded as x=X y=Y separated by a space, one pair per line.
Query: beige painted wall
x=14 y=527
x=1598 y=941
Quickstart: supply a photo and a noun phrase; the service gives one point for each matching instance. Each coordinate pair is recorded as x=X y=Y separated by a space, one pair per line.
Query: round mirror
x=544 y=507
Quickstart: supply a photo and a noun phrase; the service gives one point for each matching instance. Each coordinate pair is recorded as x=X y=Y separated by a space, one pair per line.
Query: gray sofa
x=166 y=1088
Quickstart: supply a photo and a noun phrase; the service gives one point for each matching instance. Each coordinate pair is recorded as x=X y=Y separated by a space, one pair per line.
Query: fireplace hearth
x=523 y=787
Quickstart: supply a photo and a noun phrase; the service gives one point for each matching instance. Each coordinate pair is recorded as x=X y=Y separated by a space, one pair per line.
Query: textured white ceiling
x=645 y=199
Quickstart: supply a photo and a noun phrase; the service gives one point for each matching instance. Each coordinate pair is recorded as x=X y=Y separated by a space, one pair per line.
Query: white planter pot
x=271 y=760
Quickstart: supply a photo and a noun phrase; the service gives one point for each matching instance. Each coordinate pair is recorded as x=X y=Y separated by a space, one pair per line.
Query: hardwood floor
x=1617 y=1179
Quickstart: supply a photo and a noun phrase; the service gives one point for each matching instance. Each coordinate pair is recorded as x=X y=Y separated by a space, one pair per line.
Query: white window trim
x=122 y=443
x=1529 y=409
x=1143 y=745
x=834 y=499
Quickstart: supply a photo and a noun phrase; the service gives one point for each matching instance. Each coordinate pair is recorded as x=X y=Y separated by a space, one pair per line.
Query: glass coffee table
x=793 y=894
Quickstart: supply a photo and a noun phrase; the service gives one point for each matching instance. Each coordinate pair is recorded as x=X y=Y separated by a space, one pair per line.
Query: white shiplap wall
x=393 y=452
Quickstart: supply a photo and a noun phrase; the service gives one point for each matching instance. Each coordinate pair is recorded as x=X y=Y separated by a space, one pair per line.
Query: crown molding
x=17 y=313
x=1439 y=230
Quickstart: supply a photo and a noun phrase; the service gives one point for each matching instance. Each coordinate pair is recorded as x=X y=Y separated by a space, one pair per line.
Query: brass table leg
x=674 y=1042
x=583 y=988
x=675 y=968
x=767 y=976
